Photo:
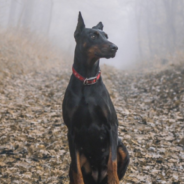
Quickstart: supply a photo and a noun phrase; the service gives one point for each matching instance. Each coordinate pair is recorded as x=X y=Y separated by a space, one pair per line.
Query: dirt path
x=151 y=116
x=33 y=138
x=33 y=145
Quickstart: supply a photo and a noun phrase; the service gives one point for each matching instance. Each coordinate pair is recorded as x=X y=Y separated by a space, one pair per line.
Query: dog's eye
x=93 y=37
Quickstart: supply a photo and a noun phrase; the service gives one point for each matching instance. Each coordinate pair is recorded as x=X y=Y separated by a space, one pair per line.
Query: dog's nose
x=114 y=48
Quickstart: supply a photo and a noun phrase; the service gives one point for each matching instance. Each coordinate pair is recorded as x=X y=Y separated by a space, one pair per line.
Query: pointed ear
x=98 y=26
x=80 y=26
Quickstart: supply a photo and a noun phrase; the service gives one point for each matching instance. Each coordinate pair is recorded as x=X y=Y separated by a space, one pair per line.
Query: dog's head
x=93 y=42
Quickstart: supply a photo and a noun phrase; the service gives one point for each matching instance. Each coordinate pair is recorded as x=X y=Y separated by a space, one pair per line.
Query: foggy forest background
x=143 y=30
x=145 y=85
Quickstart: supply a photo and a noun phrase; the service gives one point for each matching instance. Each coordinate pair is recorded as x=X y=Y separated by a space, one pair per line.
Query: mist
x=145 y=82
x=143 y=30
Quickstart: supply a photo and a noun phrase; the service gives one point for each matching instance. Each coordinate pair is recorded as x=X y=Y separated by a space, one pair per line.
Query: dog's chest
x=91 y=126
x=91 y=110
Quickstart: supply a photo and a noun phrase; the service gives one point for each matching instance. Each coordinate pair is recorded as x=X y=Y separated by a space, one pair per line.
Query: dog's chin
x=107 y=56
x=110 y=56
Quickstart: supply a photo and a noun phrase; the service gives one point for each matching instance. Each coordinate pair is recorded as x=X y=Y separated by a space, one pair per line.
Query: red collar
x=86 y=81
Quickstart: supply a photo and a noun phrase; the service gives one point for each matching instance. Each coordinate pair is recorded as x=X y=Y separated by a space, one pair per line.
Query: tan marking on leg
x=121 y=155
x=77 y=177
x=84 y=44
x=83 y=160
x=87 y=167
x=112 y=170
x=95 y=175
x=105 y=112
x=103 y=174
x=84 y=163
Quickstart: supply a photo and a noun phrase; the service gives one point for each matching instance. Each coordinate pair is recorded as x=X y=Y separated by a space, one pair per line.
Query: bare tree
x=50 y=17
x=25 y=19
x=170 y=9
x=13 y=13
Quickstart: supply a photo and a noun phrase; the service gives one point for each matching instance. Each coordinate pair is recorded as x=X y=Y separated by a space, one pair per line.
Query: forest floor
x=33 y=141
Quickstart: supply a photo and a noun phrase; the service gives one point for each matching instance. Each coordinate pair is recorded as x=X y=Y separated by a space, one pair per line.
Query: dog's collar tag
x=86 y=81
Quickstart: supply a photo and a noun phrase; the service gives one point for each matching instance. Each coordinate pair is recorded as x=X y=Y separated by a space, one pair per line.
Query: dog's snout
x=113 y=48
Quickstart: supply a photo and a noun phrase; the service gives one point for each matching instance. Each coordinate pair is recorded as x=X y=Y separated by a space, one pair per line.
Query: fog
x=143 y=30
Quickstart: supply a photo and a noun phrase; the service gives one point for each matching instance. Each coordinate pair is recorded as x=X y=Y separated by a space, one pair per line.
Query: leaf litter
x=33 y=137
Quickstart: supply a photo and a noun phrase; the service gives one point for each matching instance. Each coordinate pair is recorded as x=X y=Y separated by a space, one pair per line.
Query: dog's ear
x=80 y=26
x=98 y=26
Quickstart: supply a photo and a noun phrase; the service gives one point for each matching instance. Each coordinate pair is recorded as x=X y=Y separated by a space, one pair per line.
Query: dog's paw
x=79 y=181
x=77 y=178
x=113 y=180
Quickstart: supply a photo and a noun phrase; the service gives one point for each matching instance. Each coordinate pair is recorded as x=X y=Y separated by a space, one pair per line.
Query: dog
x=97 y=155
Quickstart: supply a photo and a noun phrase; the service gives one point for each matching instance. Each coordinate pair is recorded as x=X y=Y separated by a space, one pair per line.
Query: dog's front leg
x=112 y=161
x=76 y=171
x=75 y=167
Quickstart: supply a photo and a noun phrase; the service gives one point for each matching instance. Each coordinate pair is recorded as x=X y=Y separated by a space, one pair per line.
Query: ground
x=33 y=143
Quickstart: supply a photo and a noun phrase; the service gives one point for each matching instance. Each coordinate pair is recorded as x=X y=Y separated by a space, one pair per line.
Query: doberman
x=97 y=155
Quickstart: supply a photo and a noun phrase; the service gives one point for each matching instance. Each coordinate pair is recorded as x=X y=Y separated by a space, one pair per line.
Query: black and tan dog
x=97 y=155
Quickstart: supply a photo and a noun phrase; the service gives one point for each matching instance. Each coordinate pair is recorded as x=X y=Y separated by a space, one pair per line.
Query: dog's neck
x=85 y=66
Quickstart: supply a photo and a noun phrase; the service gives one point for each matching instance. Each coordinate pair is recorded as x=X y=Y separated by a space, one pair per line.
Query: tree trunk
x=50 y=17
x=138 y=26
x=26 y=15
x=170 y=9
x=13 y=14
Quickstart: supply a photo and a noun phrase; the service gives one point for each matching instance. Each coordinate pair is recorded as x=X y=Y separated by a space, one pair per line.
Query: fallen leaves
x=33 y=137
x=154 y=127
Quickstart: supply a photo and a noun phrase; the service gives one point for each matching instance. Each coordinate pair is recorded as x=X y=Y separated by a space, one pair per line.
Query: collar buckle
x=89 y=81
x=86 y=81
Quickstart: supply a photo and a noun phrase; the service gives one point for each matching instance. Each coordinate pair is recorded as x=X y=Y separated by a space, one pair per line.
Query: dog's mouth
x=107 y=55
